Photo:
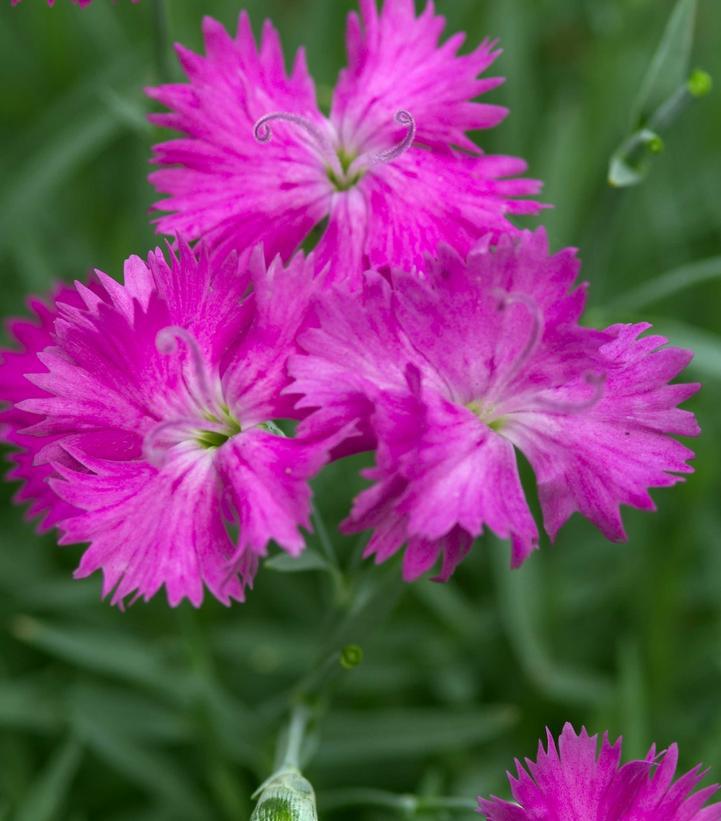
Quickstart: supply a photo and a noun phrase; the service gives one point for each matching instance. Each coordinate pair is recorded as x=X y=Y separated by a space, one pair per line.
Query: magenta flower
x=454 y=369
x=383 y=168
x=33 y=336
x=576 y=782
x=144 y=414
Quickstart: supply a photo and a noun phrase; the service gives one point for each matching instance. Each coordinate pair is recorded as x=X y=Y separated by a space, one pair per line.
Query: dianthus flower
x=576 y=782
x=455 y=367
x=259 y=162
x=144 y=417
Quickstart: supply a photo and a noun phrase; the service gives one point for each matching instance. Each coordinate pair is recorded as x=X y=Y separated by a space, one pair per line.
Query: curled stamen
x=166 y=342
x=515 y=298
x=596 y=380
x=263 y=133
x=154 y=450
x=404 y=118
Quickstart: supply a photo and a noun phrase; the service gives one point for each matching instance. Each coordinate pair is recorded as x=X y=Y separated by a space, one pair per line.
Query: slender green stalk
x=339 y=584
x=407 y=805
x=161 y=38
x=289 y=750
x=222 y=780
x=324 y=539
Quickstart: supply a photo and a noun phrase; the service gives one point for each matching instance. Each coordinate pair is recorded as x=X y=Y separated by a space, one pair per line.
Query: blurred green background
x=160 y=714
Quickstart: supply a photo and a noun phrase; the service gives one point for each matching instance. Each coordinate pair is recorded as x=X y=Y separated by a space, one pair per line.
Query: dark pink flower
x=576 y=782
x=384 y=168
x=454 y=369
x=33 y=337
x=144 y=417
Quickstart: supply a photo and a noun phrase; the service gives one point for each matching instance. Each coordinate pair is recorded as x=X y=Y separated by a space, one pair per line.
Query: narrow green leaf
x=404 y=733
x=309 y=559
x=152 y=770
x=407 y=805
x=131 y=713
x=520 y=604
x=114 y=654
x=706 y=346
x=668 y=284
x=48 y=793
x=670 y=65
x=28 y=704
x=633 y=700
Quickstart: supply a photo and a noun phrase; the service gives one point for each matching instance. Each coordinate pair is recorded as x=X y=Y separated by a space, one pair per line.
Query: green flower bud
x=351 y=656
x=700 y=83
x=655 y=144
x=286 y=796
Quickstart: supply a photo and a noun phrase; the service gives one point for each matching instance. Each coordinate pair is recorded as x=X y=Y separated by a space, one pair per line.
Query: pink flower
x=383 y=168
x=144 y=413
x=454 y=369
x=33 y=336
x=576 y=782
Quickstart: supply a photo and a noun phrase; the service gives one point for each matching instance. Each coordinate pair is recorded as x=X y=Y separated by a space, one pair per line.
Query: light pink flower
x=144 y=413
x=384 y=168
x=575 y=781
x=454 y=368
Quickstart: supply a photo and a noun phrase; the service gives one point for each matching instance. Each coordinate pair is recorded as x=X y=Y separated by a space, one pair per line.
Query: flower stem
x=161 y=37
x=291 y=743
x=408 y=805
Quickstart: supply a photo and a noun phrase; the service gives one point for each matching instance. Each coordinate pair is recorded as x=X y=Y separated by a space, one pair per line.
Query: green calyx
x=344 y=181
x=210 y=439
x=485 y=414
x=275 y=809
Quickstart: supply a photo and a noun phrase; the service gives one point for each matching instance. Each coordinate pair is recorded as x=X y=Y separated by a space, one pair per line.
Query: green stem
x=324 y=539
x=292 y=740
x=161 y=32
x=222 y=780
x=408 y=805
x=339 y=590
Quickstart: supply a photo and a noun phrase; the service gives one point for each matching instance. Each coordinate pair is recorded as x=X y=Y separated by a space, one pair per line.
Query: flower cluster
x=173 y=422
x=575 y=781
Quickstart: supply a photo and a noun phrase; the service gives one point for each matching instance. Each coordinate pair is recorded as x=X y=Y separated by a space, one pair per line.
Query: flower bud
x=286 y=796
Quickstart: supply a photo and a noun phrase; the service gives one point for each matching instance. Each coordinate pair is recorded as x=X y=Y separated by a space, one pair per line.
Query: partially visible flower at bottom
x=574 y=781
x=145 y=417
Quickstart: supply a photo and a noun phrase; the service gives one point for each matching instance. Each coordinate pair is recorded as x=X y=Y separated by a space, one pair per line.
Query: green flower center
x=345 y=180
x=486 y=413
x=225 y=427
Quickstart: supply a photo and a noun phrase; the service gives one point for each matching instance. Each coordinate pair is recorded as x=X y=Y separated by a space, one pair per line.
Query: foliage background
x=160 y=714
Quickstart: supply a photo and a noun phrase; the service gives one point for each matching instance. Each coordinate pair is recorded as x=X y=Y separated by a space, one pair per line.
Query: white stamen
x=167 y=343
x=596 y=380
x=154 y=450
x=263 y=133
x=404 y=118
x=534 y=337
